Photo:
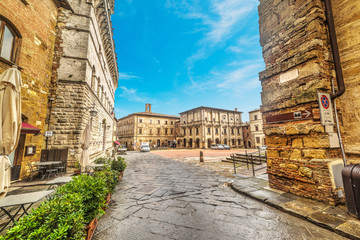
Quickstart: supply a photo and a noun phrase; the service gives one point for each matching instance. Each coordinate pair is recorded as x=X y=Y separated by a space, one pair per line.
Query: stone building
x=203 y=126
x=246 y=131
x=155 y=128
x=84 y=79
x=256 y=128
x=304 y=54
x=27 y=38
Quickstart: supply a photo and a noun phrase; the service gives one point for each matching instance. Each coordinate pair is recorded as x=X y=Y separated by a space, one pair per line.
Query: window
x=216 y=131
x=256 y=128
x=140 y=131
x=166 y=131
x=190 y=131
x=140 y=120
x=208 y=130
x=197 y=131
x=150 y=131
x=158 y=121
x=158 y=131
x=232 y=131
x=150 y=120
x=255 y=117
x=9 y=41
x=184 y=132
x=224 y=130
x=165 y=122
x=205 y=118
x=233 y=141
x=172 y=131
x=184 y=121
x=238 y=130
x=171 y=122
x=214 y=119
x=257 y=139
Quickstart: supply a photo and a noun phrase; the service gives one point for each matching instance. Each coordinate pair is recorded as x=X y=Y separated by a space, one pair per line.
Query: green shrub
x=119 y=164
x=58 y=218
x=92 y=190
x=72 y=207
x=106 y=161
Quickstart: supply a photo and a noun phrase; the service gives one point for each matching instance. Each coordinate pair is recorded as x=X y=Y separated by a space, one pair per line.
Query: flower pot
x=90 y=229
x=120 y=175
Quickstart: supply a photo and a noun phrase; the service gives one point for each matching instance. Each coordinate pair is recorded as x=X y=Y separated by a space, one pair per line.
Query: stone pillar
x=298 y=61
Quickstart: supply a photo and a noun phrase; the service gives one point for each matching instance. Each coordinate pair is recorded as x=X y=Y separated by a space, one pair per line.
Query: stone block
x=316 y=141
x=295 y=154
x=297 y=143
x=272 y=153
x=314 y=153
x=304 y=171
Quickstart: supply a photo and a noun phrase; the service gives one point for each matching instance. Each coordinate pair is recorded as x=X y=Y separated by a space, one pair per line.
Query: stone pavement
x=160 y=198
x=336 y=219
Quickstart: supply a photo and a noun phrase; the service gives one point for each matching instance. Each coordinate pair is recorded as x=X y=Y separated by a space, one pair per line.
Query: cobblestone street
x=160 y=198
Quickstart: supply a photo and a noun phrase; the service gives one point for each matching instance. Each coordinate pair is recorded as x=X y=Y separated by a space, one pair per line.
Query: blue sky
x=182 y=54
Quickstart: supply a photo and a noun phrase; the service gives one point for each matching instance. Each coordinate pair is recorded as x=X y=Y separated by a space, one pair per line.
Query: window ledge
x=7 y=62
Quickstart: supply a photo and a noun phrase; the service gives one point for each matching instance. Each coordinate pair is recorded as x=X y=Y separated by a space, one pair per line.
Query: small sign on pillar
x=326 y=109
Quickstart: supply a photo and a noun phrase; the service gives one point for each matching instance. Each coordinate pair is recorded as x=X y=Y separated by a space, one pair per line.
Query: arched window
x=10 y=39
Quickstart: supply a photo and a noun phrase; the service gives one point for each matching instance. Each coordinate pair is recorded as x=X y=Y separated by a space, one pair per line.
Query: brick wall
x=36 y=23
x=298 y=61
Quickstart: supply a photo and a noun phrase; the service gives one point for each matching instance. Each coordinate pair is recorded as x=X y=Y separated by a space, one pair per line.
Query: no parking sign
x=326 y=111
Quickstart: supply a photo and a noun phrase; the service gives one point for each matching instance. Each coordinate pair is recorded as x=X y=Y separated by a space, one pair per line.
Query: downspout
x=335 y=51
x=338 y=70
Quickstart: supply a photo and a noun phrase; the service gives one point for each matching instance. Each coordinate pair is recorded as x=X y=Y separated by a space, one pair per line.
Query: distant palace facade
x=200 y=127
x=155 y=128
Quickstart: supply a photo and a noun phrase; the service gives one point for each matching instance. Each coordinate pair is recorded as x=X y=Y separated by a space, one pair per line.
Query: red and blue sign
x=325 y=101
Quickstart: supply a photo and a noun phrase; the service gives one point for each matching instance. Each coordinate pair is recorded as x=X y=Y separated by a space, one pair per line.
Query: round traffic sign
x=325 y=101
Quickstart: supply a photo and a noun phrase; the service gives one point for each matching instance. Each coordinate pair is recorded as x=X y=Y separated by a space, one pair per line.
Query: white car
x=217 y=147
x=144 y=148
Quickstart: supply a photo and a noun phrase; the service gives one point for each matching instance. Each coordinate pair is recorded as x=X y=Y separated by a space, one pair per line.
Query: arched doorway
x=217 y=141
x=209 y=143
x=190 y=143
x=249 y=144
x=158 y=142
x=197 y=143
x=184 y=142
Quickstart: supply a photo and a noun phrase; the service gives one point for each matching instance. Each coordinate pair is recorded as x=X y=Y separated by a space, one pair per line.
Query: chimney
x=235 y=109
x=147 y=107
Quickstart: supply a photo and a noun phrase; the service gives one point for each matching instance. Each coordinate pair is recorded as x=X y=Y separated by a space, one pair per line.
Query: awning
x=28 y=128
x=117 y=142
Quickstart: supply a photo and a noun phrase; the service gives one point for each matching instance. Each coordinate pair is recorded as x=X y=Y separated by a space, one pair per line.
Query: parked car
x=216 y=147
x=226 y=147
x=145 y=148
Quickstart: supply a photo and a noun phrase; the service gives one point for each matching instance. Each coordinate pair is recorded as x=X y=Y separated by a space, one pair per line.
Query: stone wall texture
x=298 y=59
x=36 y=24
x=84 y=79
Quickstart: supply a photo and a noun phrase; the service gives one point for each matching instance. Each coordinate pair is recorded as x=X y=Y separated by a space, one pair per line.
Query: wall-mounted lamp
x=93 y=113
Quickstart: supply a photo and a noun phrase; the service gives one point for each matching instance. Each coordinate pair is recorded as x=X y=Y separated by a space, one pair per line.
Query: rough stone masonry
x=297 y=53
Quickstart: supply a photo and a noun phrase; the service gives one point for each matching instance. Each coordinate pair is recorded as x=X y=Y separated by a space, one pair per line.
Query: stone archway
x=209 y=141
x=158 y=142
x=190 y=143
x=184 y=142
x=217 y=141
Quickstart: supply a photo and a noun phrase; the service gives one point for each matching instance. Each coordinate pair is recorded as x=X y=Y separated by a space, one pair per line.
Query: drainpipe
x=335 y=51
x=338 y=70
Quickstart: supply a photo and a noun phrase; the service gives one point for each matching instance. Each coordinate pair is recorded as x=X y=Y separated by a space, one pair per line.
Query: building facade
x=203 y=126
x=154 y=128
x=306 y=56
x=256 y=128
x=27 y=39
x=84 y=79
x=246 y=131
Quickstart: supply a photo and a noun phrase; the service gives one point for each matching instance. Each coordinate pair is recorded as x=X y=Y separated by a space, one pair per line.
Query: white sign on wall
x=49 y=133
x=326 y=109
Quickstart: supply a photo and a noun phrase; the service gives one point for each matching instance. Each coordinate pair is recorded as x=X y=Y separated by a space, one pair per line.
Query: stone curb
x=348 y=228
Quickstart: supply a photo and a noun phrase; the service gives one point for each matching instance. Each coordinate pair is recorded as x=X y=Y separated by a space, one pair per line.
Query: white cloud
x=126 y=76
x=133 y=95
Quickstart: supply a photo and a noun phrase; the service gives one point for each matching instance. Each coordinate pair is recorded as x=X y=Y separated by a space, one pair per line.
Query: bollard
x=201 y=156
